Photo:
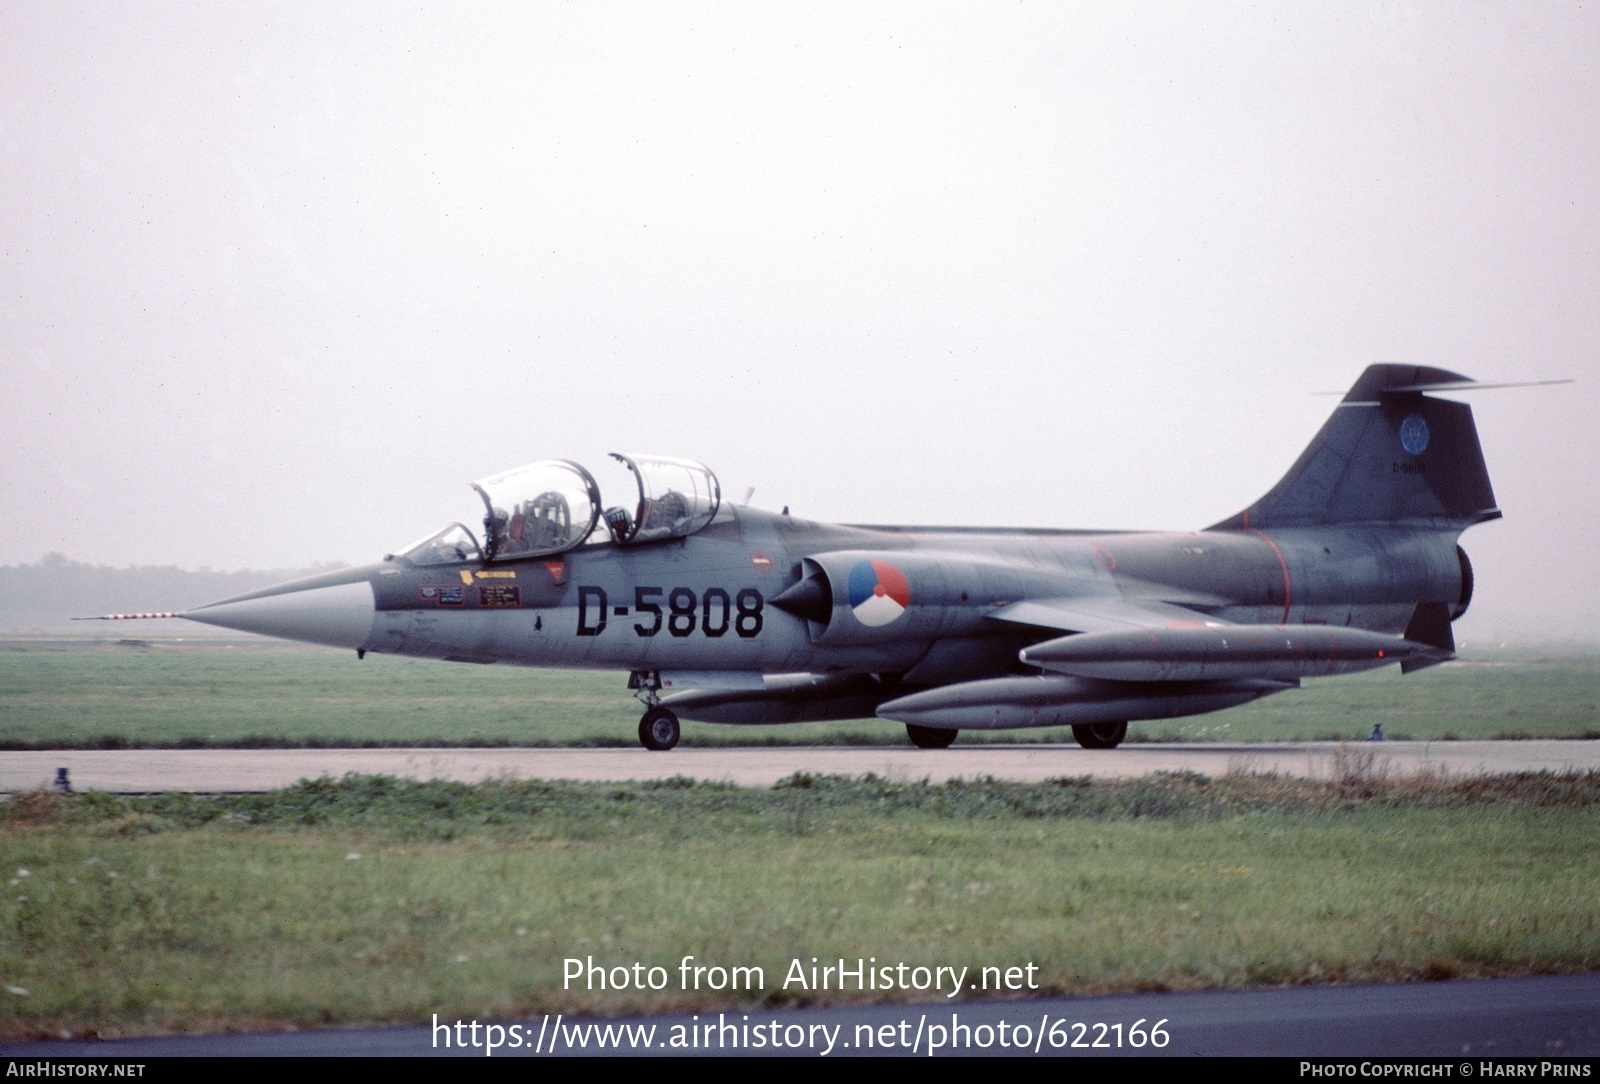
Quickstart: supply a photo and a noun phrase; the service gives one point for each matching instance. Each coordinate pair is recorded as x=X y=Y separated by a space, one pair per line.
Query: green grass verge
x=105 y=695
x=373 y=899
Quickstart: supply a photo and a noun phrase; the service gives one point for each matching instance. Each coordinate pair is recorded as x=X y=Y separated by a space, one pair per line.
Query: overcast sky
x=280 y=280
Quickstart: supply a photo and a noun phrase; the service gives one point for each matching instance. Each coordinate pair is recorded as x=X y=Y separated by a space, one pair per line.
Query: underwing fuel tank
x=784 y=698
x=1013 y=703
x=1222 y=653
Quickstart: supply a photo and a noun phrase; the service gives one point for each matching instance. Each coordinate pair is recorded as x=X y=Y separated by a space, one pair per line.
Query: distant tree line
x=49 y=594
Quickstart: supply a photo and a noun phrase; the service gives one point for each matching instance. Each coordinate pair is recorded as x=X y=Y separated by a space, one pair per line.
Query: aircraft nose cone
x=339 y=616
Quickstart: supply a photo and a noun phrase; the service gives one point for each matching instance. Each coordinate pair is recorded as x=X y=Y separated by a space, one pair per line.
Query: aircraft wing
x=1109 y=613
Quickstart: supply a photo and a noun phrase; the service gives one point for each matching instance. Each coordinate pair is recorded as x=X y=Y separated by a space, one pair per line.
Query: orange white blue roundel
x=879 y=593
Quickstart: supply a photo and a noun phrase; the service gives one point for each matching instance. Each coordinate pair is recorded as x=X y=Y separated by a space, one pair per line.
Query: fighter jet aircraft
x=727 y=614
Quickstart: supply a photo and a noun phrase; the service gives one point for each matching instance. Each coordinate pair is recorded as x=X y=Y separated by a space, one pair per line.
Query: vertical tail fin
x=1389 y=454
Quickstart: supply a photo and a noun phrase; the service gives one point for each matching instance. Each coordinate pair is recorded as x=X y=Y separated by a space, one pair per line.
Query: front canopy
x=544 y=508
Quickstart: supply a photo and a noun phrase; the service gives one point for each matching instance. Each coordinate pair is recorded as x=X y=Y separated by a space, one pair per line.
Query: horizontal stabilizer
x=1467 y=385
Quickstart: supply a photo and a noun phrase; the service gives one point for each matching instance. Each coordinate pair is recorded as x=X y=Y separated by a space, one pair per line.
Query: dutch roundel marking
x=761 y=561
x=1414 y=434
x=879 y=593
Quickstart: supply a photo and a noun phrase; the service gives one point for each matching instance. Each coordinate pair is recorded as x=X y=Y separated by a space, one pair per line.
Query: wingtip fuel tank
x=1222 y=653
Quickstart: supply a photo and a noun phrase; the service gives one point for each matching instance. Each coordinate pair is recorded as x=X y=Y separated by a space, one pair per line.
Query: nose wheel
x=658 y=730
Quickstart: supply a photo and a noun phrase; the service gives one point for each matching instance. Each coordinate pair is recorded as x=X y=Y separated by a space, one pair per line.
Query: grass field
x=64 y=694
x=379 y=900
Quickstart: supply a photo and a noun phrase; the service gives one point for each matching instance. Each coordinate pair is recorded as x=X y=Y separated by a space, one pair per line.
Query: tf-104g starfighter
x=727 y=614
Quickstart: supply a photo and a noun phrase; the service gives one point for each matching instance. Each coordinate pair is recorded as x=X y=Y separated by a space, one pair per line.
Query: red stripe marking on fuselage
x=1288 y=592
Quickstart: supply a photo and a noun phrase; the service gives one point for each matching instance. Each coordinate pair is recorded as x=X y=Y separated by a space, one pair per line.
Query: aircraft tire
x=931 y=737
x=1100 y=735
x=658 y=730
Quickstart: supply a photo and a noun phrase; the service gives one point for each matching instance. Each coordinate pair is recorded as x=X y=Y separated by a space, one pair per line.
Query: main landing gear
x=930 y=737
x=1100 y=735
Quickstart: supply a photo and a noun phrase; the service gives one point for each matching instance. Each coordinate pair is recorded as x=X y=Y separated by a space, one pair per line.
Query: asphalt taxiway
x=1466 y=1026
x=231 y=770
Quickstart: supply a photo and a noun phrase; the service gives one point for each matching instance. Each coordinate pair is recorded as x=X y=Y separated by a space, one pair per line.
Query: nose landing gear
x=658 y=730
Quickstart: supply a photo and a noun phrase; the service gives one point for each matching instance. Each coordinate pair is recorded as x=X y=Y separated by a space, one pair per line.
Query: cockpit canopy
x=677 y=497
x=552 y=506
x=451 y=546
x=534 y=511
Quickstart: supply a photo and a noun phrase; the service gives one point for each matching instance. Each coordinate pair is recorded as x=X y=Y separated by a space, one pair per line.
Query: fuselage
x=705 y=602
x=735 y=615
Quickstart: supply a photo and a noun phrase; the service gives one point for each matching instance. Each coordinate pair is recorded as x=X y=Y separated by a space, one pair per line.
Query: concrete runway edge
x=218 y=770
